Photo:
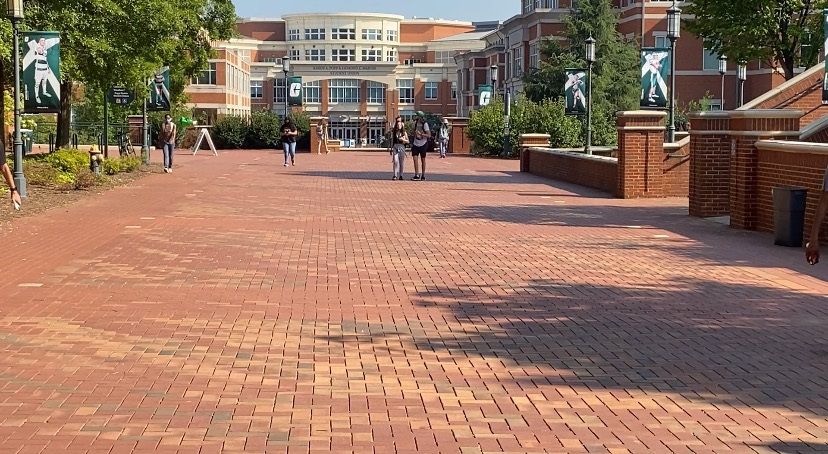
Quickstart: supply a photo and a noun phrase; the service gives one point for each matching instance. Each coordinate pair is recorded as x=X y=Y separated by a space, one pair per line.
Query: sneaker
x=292 y=162
x=287 y=165
x=416 y=178
x=394 y=178
x=166 y=170
x=169 y=170
x=422 y=178
x=401 y=178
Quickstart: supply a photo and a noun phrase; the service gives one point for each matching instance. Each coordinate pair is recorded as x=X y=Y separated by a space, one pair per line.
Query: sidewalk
x=241 y=306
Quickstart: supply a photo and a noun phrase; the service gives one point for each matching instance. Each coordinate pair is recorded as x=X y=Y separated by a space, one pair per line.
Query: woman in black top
x=399 y=139
x=289 y=134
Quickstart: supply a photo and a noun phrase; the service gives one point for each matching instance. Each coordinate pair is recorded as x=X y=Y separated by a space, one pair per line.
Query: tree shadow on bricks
x=797 y=448
x=705 y=340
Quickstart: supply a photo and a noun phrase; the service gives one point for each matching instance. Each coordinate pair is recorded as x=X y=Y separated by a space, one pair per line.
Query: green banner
x=294 y=86
x=655 y=69
x=41 y=71
x=484 y=95
x=159 y=99
x=825 y=48
x=575 y=91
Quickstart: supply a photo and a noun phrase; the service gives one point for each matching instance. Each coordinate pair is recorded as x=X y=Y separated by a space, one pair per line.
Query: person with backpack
x=443 y=138
x=399 y=139
x=322 y=136
x=419 y=146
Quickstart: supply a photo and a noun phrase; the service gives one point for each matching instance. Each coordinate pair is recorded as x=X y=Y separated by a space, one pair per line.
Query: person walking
x=322 y=136
x=812 y=246
x=443 y=138
x=289 y=134
x=419 y=146
x=9 y=177
x=168 y=133
x=399 y=139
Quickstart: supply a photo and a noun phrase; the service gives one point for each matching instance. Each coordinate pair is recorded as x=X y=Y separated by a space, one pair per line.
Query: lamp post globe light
x=14 y=10
x=493 y=77
x=590 y=59
x=741 y=74
x=722 y=72
x=286 y=69
x=673 y=34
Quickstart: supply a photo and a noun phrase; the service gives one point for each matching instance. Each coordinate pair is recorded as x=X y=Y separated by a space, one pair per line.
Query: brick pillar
x=391 y=106
x=314 y=140
x=459 y=141
x=641 y=154
x=709 y=164
x=746 y=127
x=528 y=141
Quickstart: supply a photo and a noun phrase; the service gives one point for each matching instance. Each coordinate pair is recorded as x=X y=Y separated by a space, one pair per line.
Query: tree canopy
x=780 y=33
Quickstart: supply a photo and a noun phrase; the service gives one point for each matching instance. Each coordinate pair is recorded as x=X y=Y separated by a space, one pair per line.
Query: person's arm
x=7 y=175
x=812 y=248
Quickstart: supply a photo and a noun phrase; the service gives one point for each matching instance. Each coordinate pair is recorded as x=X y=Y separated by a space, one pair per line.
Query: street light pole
x=286 y=69
x=15 y=13
x=741 y=74
x=673 y=33
x=722 y=72
x=590 y=59
x=145 y=133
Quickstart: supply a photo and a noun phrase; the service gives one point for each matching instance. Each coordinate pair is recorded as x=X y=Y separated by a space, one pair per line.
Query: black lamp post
x=722 y=72
x=741 y=74
x=493 y=77
x=14 y=9
x=286 y=70
x=590 y=59
x=673 y=34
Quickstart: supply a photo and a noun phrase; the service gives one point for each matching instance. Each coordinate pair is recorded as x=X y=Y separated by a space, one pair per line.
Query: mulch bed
x=41 y=199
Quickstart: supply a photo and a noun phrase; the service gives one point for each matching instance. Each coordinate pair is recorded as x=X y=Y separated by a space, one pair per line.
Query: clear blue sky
x=469 y=10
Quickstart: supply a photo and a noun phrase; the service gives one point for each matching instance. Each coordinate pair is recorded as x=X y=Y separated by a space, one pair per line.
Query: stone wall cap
x=789 y=146
x=536 y=135
x=579 y=155
x=641 y=113
x=756 y=113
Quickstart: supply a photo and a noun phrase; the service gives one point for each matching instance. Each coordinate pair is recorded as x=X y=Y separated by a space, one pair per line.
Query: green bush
x=122 y=165
x=264 y=130
x=68 y=160
x=230 y=132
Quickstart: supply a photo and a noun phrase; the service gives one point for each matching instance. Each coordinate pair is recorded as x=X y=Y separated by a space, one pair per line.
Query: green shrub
x=68 y=160
x=230 y=132
x=121 y=165
x=264 y=130
x=87 y=179
x=40 y=173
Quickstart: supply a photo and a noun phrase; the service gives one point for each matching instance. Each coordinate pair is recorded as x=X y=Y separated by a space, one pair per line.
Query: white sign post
x=204 y=133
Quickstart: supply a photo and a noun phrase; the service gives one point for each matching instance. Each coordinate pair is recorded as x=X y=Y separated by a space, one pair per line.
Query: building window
x=344 y=90
x=276 y=60
x=372 y=34
x=517 y=62
x=371 y=55
x=256 y=91
x=411 y=61
x=710 y=60
x=454 y=90
x=315 y=54
x=715 y=104
x=444 y=56
x=661 y=41
x=376 y=93
x=293 y=35
x=279 y=90
x=311 y=92
x=207 y=76
x=314 y=34
x=534 y=57
x=343 y=55
x=391 y=34
x=343 y=33
x=431 y=90
x=406 y=89
x=294 y=54
x=391 y=56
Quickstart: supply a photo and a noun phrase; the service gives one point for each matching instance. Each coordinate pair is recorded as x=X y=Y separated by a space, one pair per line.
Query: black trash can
x=789 y=215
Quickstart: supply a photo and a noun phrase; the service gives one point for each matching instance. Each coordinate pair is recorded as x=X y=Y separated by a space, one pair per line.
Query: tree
x=780 y=33
x=615 y=81
x=121 y=42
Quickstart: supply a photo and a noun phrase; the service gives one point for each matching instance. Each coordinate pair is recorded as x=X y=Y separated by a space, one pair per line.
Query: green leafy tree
x=780 y=33
x=615 y=82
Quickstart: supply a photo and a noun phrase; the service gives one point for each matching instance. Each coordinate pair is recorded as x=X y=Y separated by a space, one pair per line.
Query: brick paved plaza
x=237 y=305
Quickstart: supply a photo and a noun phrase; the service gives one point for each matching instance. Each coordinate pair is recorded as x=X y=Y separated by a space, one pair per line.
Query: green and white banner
x=655 y=69
x=159 y=99
x=294 y=86
x=41 y=71
x=575 y=91
x=484 y=95
x=825 y=48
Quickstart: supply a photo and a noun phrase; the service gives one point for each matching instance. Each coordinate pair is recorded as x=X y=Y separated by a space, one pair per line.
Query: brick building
x=515 y=48
x=358 y=70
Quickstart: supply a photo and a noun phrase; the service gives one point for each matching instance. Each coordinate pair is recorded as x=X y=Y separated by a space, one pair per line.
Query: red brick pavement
x=237 y=305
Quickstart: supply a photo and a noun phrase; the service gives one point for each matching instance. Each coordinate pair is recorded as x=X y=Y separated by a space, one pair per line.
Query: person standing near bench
x=167 y=136
x=812 y=247
x=7 y=175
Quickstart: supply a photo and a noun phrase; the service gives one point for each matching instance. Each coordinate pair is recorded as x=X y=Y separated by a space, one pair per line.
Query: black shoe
x=401 y=178
x=416 y=178
x=393 y=178
x=422 y=178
